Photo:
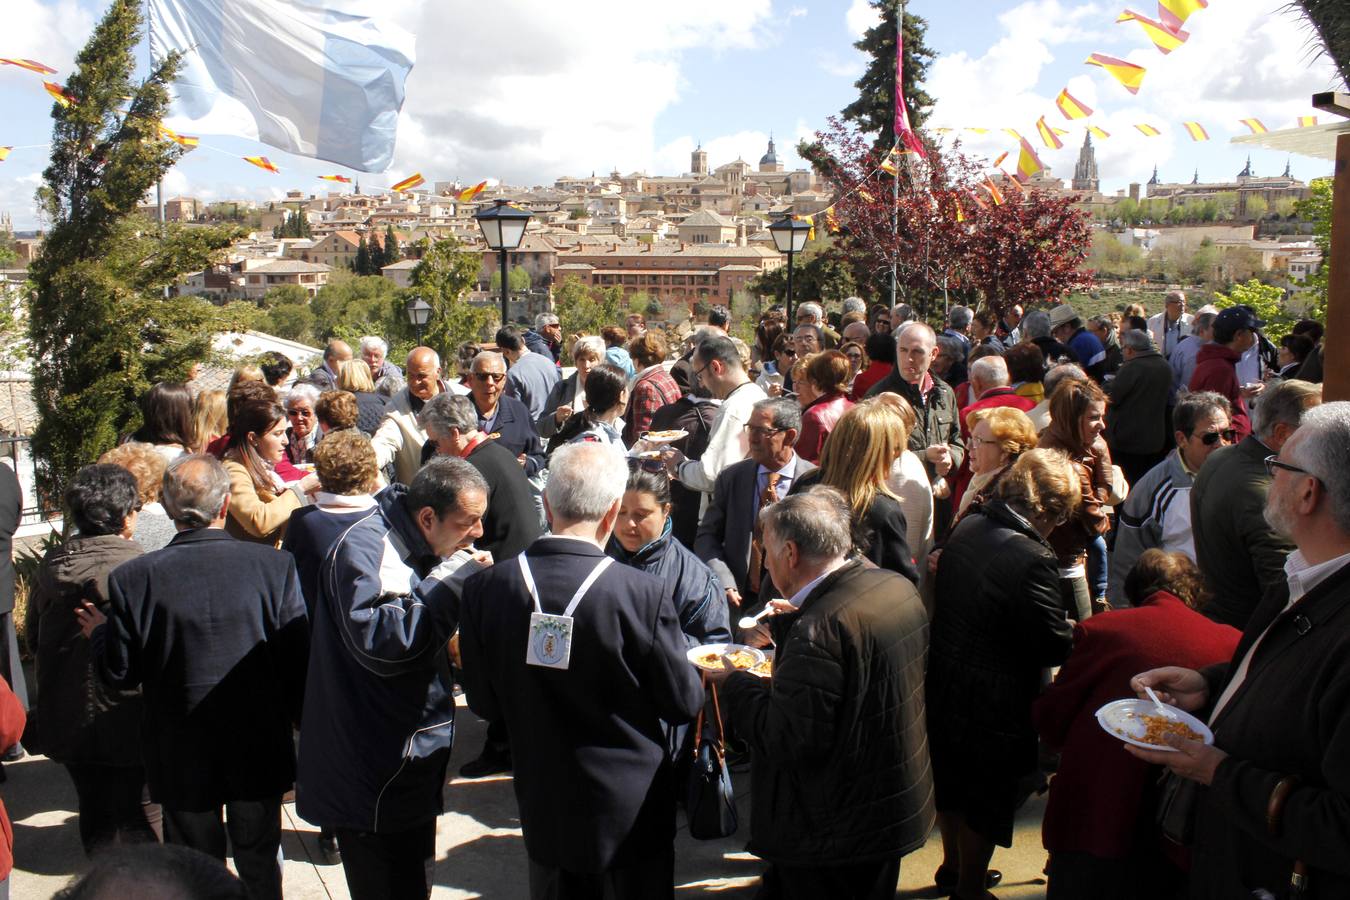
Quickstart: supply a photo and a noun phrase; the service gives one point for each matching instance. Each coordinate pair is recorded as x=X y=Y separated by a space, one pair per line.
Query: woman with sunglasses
x=642 y=539
x=776 y=379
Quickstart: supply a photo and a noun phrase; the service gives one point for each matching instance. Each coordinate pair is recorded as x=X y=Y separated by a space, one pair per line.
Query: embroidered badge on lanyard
x=549 y=642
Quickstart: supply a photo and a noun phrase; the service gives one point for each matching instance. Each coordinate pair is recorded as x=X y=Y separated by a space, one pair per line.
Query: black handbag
x=1177 y=800
x=710 y=800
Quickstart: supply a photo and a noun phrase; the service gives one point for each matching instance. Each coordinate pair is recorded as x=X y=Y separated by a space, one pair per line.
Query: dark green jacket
x=1240 y=556
x=939 y=419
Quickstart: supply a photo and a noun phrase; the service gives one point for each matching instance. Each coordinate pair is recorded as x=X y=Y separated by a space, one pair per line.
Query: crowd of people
x=955 y=544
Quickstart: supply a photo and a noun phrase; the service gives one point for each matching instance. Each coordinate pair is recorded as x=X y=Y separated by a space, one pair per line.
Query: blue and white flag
x=317 y=79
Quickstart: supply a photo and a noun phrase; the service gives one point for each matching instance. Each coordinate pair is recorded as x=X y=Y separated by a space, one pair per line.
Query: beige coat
x=257 y=517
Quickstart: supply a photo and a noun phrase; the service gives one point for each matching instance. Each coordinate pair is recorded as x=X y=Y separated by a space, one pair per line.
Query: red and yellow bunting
x=1307 y=121
x=978 y=130
x=1013 y=133
x=1147 y=130
x=59 y=94
x=4 y=153
x=1098 y=133
x=1196 y=131
x=182 y=140
x=1001 y=157
x=1071 y=106
x=469 y=193
x=1255 y=126
x=888 y=164
x=1028 y=163
x=1130 y=76
x=31 y=65
x=1048 y=136
x=1174 y=13
x=831 y=221
x=1163 y=37
x=264 y=163
x=866 y=196
x=408 y=183
x=994 y=193
x=340 y=179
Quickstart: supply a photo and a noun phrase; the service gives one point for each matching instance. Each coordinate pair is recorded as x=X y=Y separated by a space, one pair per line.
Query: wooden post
x=1336 y=348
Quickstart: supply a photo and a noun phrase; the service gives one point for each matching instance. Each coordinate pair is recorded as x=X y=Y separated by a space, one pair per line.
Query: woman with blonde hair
x=998 y=623
x=856 y=460
x=210 y=419
x=354 y=376
x=998 y=436
x=909 y=481
x=154 y=529
x=260 y=502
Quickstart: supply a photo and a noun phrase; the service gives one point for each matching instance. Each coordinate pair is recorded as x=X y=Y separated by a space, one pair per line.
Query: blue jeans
x=1097 y=567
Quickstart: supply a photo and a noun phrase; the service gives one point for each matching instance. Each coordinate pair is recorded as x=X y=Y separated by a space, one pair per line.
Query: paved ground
x=479 y=848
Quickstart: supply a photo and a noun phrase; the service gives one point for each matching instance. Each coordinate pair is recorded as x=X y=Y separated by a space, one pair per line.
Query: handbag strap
x=717 y=715
x=1298 y=878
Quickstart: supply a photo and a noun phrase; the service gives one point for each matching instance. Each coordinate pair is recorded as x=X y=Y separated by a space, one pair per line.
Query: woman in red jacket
x=1099 y=824
x=12 y=718
x=829 y=375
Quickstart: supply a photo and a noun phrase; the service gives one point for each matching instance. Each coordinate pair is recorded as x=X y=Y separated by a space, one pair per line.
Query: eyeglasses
x=490 y=376
x=1210 y=438
x=653 y=464
x=979 y=442
x=761 y=431
x=302 y=413
x=1273 y=462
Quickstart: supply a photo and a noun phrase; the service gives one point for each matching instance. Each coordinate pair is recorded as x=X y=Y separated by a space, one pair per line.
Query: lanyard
x=576 y=598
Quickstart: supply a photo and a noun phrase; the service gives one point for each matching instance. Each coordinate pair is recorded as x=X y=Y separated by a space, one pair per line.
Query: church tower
x=769 y=161
x=698 y=161
x=1085 y=173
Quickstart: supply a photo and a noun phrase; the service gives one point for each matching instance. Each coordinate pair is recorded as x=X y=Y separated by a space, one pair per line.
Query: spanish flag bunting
x=340 y=179
x=994 y=193
x=1147 y=130
x=1012 y=133
x=4 y=152
x=888 y=164
x=866 y=196
x=1028 y=163
x=1014 y=182
x=1001 y=157
x=1165 y=38
x=469 y=193
x=1255 y=126
x=1307 y=121
x=408 y=183
x=1128 y=74
x=810 y=220
x=960 y=213
x=182 y=140
x=262 y=162
x=1196 y=131
x=59 y=94
x=31 y=65
x=1071 y=106
x=831 y=221
x=979 y=201
x=941 y=130
x=1048 y=137
x=1174 y=13
x=1098 y=132
x=1059 y=131
x=978 y=130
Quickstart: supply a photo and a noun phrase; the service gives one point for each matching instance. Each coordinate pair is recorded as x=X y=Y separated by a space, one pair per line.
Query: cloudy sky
x=526 y=90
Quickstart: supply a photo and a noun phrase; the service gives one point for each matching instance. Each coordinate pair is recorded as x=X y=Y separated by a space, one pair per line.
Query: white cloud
x=797 y=12
x=1244 y=58
x=49 y=31
x=851 y=67
x=861 y=16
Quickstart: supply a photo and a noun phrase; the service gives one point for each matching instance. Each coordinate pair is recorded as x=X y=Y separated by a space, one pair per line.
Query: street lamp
x=789 y=236
x=419 y=311
x=503 y=227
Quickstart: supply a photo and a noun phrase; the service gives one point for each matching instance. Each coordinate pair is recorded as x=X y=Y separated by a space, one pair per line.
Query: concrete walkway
x=479 y=849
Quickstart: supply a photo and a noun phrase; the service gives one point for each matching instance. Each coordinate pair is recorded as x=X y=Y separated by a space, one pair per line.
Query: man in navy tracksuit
x=379 y=705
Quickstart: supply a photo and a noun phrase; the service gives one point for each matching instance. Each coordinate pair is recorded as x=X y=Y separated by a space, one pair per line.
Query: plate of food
x=650 y=454
x=1139 y=722
x=764 y=669
x=709 y=656
x=665 y=437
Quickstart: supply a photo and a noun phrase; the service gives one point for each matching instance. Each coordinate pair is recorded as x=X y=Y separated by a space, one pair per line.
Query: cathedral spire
x=1085 y=172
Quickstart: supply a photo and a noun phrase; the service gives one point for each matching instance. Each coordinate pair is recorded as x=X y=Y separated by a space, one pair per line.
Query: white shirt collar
x=343 y=502
x=800 y=597
x=1303 y=577
x=786 y=472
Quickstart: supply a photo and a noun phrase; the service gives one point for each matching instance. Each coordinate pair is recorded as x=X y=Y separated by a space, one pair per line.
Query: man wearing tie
x=728 y=538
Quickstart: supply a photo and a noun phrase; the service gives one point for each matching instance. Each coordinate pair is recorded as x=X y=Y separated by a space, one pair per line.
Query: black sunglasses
x=1210 y=438
x=647 y=465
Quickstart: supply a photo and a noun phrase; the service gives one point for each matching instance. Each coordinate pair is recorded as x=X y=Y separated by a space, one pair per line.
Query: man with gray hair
x=546 y=337
x=814 y=314
x=1277 y=774
x=585 y=662
x=1157 y=512
x=213 y=631
x=841 y=784
x=1035 y=329
x=375 y=352
x=854 y=304
x=1170 y=326
x=1241 y=557
x=958 y=327
x=1183 y=357
x=1136 y=429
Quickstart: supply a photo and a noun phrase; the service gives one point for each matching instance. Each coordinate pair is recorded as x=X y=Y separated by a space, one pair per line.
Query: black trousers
x=866 y=881
x=652 y=878
x=393 y=866
x=254 y=828
x=115 y=806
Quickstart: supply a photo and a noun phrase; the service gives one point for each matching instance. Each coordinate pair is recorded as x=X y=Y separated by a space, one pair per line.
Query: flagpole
x=159 y=182
x=895 y=151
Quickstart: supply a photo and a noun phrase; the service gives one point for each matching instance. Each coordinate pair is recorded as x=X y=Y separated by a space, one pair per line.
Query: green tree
x=1112 y=258
x=293 y=321
x=101 y=329
x=1266 y=300
x=1316 y=208
x=1225 y=206
x=361 y=265
x=1257 y=207
x=874 y=110
x=654 y=308
x=583 y=310
x=443 y=279
x=517 y=280
x=392 y=253
x=821 y=274
x=285 y=295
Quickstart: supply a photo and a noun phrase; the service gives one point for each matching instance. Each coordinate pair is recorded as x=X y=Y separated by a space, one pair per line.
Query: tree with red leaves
x=948 y=229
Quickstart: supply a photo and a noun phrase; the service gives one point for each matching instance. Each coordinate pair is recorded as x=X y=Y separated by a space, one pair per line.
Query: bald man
x=399 y=438
x=334 y=355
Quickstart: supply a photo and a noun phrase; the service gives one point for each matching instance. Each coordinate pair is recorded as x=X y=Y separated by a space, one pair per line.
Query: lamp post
x=789 y=236
x=503 y=227
x=419 y=311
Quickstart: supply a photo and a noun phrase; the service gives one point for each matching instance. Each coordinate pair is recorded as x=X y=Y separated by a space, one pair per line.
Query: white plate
x=1124 y=719
x=704 y=649
x=671 y=437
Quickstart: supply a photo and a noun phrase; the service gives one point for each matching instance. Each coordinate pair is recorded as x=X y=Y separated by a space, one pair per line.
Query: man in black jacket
x=1277 y=777
x=1136 y=426
x=842 y=787
x=586 y=662
x=214 y=632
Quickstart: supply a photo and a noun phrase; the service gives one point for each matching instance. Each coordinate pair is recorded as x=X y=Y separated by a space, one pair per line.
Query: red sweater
x=1102 y=795
x=1216 y=370
x=12 y=719
x=817 y=422
x=869 y=376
